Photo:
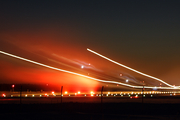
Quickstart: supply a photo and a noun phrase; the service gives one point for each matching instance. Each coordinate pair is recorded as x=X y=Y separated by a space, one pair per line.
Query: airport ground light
x=88 y=94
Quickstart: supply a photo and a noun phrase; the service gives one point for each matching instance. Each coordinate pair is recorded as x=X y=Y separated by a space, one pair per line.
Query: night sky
x=141 y=34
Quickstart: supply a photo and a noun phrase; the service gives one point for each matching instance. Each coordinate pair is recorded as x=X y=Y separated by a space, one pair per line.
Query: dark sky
x=140 y=34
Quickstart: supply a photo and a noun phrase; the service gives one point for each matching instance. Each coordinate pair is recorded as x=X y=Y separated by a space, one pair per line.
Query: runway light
x=69 y=95
x=32 y=95
x=13 y=86
x=4 y=95
x=45 y=94
x=25 y=95
x=75 y=93
x=52 y=92
x=79 y=92
x=127 y=80
x=82 y=66
x=11 y=95
x=92 y=93
x=85 y=95
x=65 y=92
x=40 y=95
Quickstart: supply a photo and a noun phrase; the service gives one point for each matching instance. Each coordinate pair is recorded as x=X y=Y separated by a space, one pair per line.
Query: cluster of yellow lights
x=141 y=73
x=54 y=68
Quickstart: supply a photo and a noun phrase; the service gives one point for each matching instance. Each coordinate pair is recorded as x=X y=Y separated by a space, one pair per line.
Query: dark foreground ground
x=90 y=108
x=90 y=111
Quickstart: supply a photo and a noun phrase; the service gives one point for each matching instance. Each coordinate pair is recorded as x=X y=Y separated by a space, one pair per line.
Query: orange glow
x=47 y=77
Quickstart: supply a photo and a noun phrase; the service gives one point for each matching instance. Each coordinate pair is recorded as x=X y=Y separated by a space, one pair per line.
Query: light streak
x=141 y=73
x=66 y=71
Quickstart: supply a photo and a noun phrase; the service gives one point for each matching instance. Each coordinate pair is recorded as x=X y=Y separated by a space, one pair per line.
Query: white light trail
x=141 y=73
x=66 y=71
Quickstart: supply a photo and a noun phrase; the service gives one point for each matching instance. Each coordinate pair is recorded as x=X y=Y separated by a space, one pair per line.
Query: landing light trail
x=54 y=68
x=129 y=68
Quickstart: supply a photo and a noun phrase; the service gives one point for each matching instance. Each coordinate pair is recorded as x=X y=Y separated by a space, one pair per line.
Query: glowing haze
x=104 y=81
